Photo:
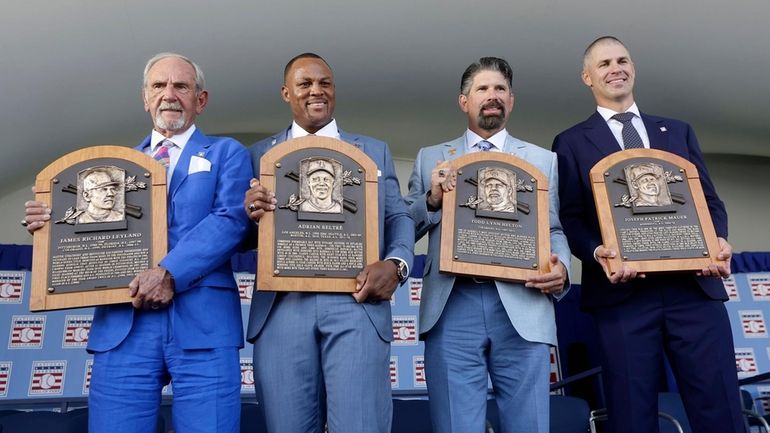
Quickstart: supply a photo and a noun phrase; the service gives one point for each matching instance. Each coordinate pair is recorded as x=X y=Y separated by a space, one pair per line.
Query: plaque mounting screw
x=705 y=254
x=457 y=258
x=360 y=170
x=459 y=172
x=534 y=265
x=681 y=170
x=51 y=290
x=625 y=257
x=606 y=174
x=278 y=165
x=55 y=180
x=533 y=180
x=276 y=272
x=146 y=174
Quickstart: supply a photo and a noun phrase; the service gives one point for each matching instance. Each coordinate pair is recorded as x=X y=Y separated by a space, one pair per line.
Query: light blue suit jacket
x=206 y=224
x=530 y=311
x=395 y=228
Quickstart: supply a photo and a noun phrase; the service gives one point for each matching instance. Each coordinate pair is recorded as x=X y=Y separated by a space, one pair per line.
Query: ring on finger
x=252 y=207
x=441 y=173
x=24 y=223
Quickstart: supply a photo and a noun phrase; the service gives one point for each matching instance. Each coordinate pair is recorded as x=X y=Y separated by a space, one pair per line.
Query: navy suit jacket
x=206 y=224
x=396 y=228
x=579 y=148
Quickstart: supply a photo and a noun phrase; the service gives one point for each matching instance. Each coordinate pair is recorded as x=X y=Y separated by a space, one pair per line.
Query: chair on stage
x=569 y=414
x=252 y=418
x=34 y=422
x=672 y=417
x=752 y=416
x=411 y=416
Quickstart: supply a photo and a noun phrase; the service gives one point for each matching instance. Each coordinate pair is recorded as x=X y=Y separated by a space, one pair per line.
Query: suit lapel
x=197 y=145
x=598 y=134
x=351 y=139
x=514 y=147
x=657 y=133
x=454 y=149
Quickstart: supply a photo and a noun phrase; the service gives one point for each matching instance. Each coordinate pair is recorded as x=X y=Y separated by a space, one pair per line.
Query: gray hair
x=200 y=80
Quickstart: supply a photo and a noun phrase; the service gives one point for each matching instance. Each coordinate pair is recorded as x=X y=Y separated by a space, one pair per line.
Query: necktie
x=161 y=153
x=484 y=145
x=631 y=138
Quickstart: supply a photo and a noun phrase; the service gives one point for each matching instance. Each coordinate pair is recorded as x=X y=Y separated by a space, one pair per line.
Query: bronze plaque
x=495 y=223
x=652 y=211
x=324 y=230
x=108 y=223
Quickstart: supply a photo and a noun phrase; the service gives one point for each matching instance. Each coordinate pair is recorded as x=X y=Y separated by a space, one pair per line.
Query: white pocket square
x=198 y=164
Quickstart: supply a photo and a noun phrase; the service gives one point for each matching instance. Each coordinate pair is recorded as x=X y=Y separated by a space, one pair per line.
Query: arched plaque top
x=157 y=171
x=598 y=170
x=506 y=158
x=272 y=156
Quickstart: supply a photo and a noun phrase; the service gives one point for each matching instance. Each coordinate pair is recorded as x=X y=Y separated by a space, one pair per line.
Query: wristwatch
x=400 y=269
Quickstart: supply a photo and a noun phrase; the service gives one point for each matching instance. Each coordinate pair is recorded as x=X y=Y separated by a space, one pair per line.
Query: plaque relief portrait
x=321 y=186
x=647 y=185
x=101 y=195
x=496 y=190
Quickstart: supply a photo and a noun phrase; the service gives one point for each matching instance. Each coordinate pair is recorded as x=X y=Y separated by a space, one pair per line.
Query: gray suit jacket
x=530 y=311
x=395 y=226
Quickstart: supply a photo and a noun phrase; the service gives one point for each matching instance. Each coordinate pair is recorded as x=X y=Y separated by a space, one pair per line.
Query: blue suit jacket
x=579 y=149
x=206 y=223
x=395 y=228
x=530 y=311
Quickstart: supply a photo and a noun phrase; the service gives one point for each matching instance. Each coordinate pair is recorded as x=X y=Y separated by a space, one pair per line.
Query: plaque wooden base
x=108 y=223
x=324 y=230
x=507 y=240
x=652 y=211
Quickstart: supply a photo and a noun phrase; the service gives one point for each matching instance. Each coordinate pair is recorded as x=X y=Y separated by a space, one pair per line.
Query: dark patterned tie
x=161 y=153
x=631 y=138
x=484 y=145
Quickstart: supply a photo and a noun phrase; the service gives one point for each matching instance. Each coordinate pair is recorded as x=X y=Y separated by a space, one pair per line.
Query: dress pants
x=126 y=382
x=472 y=342
x=319 y=359
x=672 y=314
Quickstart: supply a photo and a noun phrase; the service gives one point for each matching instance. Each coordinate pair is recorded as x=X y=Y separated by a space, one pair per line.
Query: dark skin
x=309 y=91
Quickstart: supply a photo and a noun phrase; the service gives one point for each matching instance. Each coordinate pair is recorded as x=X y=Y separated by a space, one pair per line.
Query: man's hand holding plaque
x=654 y=217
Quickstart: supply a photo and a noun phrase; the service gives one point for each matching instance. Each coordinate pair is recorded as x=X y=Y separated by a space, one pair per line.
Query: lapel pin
x=452 y=151
x=201 y=154
x=663 y=129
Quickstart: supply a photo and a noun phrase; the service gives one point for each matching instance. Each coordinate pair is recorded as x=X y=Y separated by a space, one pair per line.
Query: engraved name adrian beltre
x=325 y=239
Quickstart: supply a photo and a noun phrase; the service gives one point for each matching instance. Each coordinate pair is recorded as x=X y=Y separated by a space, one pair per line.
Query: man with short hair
x=324 y=357
x=476 y=328
x=99 y=190
x=639 y=317
x=185 y=322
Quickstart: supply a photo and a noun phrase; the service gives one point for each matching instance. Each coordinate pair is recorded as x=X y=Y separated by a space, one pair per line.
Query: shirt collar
x=497 y=140
x=180 y=140
x=607 y=114
x=329 y=130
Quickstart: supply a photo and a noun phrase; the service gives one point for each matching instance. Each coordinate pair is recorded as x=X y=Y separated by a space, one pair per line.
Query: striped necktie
x=161 y=153
x=631 y=138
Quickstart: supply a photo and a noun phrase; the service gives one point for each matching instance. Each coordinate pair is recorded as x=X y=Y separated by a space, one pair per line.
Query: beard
x=174 y=125
x=493 y=121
